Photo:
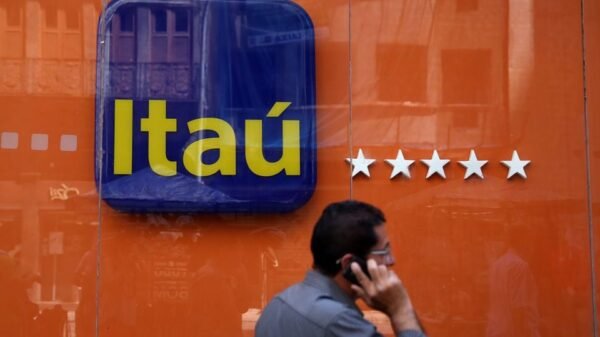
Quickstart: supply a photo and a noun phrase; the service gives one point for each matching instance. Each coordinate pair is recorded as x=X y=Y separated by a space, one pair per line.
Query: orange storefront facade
x=478 y=255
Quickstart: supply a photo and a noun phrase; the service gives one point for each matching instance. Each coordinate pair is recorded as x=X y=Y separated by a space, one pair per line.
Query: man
x=323 y=304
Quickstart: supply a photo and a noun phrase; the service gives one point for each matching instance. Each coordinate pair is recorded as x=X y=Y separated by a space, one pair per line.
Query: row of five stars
x=435 y=165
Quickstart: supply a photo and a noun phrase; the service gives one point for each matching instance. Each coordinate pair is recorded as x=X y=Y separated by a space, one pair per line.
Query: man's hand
x=385 y=292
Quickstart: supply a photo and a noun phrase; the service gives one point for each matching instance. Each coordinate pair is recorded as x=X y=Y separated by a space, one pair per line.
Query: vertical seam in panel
x=588 y=173
x=350 y=143
x=100 y=86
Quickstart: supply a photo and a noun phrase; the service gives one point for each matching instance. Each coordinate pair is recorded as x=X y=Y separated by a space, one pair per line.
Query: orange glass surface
x=592 y=57
x=492 y=256
x=48 y=201
x=481 y=257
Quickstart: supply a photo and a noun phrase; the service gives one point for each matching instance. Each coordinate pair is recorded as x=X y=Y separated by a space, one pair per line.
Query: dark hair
x=344 y=227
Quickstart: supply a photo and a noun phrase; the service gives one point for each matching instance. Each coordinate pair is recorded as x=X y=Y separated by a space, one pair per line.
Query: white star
x=436 y=165
x=400 y=165
x=360 y=164
x=516 y=165
x=473 y=165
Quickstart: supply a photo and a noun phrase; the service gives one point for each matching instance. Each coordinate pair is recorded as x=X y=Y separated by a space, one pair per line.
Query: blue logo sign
x=206 y=107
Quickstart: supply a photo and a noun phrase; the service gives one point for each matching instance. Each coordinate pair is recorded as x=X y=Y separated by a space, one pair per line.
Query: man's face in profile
x=382 y=252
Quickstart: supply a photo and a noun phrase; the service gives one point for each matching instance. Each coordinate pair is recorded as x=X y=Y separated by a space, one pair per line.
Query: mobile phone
x=349 y=275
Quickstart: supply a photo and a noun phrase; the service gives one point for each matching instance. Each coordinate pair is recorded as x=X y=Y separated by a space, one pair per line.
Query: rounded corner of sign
x=301 y=200
x=303 y=13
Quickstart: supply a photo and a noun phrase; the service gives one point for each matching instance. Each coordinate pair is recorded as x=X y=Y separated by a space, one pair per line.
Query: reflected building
x=52 y=48
x=47 y=210
x=151 y=53
x=459 y=70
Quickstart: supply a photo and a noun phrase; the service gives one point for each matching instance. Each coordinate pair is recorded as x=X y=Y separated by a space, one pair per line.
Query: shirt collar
x=326 y=284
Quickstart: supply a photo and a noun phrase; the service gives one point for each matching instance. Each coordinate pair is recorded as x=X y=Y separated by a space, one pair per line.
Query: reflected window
x=126 y=20
x=404 y=66
x=61 y=31
x=335 y=71
x=181 y=20
x=466 y=76
x=123 y=49
x=72 y=15
x=466 y=5
x=10 y=230
x=466 y=117
x=160 y=20
x=171 y=38
x=51 y=14
x=13 y=14
x=13 y=34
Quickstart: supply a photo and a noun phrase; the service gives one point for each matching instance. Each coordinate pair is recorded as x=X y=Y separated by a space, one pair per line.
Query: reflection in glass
x=126 y=19
x=51 y=14
x=181 y=20
x=159 y=17
x=14 y=13
x=17 y=311
x=513 y=308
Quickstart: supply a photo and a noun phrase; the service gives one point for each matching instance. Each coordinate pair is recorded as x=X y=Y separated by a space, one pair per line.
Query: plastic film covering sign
x=205 y=106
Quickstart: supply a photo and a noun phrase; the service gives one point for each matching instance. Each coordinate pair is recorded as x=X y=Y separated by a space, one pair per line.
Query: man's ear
x=345 y=261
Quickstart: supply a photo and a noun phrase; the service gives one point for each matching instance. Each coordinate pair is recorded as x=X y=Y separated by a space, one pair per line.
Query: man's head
x=348 y=228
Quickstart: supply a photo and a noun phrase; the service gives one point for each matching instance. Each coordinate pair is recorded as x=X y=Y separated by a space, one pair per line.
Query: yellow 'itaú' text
x=157 y=125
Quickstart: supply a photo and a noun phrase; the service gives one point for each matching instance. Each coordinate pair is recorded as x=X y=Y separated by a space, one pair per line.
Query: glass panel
x=592 y=59
x=48 y=199
x=491 y=256
x=172 y=273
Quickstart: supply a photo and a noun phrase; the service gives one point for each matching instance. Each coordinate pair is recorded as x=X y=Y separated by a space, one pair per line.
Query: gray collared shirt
x=316 y=307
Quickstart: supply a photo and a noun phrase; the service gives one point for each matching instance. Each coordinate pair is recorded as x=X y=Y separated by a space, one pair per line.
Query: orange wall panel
x=491 y=257
x=48 y=201
x=592 y=64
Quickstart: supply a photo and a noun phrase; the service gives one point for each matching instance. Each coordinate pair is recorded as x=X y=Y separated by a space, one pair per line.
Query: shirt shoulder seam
x=304 y=316
x=336 y=317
